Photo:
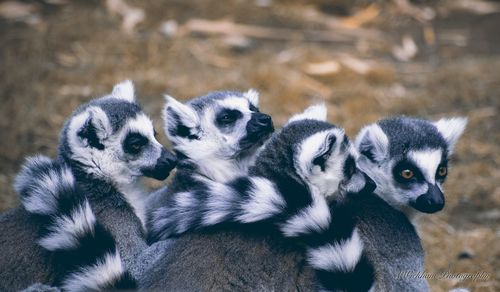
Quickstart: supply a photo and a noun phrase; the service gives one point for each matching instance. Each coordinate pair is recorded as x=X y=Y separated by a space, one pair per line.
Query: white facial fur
x=426 y=160
x=112 y=163
x=214 y=151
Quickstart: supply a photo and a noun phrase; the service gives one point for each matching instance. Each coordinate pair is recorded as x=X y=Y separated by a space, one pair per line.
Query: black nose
x=430 y=202
x=163 y=166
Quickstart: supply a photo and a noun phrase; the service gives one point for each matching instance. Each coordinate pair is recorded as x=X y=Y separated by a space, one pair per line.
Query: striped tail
x=85 y=254
x=334 y=247
x=337 y=254
x=244 y=200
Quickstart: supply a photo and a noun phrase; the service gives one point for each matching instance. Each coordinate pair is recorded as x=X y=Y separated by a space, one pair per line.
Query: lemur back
x=105 y=147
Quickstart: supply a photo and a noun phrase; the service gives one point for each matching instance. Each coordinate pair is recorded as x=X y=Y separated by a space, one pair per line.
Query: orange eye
x=136 y=146
x=407 y=174
x=442 y=171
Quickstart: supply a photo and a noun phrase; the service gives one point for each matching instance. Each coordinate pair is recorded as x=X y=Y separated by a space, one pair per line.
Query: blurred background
x=365 y=59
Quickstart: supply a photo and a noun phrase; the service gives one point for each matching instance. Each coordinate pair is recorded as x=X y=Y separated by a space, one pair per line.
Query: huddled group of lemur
x=247 y=209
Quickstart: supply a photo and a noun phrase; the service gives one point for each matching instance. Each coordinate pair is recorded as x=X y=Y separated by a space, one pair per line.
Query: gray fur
x=230 y=260
x=407 y=134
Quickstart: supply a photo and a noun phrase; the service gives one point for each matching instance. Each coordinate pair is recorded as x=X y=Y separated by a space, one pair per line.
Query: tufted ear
x=315 y=150
x=91 y=128
x=314 y=112
x=372 y=143
x=124 y=90
x=180 y=120
x=451 y=129
x=253 y=96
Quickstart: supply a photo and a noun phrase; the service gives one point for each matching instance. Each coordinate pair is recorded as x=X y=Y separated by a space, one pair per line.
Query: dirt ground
x=430 y=59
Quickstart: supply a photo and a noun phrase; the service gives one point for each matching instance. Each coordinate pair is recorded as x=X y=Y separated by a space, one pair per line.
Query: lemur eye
x=134 y=143
x=228 y=116
x=442 y=171
x=407 y=174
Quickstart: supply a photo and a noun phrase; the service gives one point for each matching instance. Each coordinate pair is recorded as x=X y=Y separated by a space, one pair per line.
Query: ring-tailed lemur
x=308 y=161
x=215 y=136
x=105 y=147
x=408 y=160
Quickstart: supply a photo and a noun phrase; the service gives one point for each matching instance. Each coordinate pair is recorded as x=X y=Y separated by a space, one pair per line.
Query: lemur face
x=113 y=139
x=325 y=159
x=408 y=159
x=221 y=125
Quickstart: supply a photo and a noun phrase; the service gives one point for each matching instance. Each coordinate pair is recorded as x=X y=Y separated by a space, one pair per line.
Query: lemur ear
x=314 y=112
x=451 y=130
x=92 y=127
x=124 y=90
x=180 y=121
x=372 y=143
x=253 y=96
x=315 y=150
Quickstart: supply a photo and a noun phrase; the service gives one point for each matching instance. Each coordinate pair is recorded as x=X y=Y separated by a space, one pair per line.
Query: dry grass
x=76 y=51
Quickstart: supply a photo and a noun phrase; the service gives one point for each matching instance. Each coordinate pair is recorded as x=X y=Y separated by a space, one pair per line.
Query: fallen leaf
x=169 y=28
x=407 y=50
x=131 y=16
x=361 y=17
x=357 y=65
x=323 y=68
x=16 y=10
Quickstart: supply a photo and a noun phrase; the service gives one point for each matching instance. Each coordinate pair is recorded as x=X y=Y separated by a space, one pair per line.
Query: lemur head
x=314 y=155
x=112 y=139
x=408 y=159
x=218 y=131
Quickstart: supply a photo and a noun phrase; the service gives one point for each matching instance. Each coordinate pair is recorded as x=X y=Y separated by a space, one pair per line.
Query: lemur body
x=408 y=160
x=105 y=147
x=238 y=260
x=285 y=192
x=216 y=135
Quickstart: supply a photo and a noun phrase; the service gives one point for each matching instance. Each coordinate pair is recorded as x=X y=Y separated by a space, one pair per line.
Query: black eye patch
x=253 y=108
x=442 y=171
x=404 y=165
x=134 y=143
x=227 y=117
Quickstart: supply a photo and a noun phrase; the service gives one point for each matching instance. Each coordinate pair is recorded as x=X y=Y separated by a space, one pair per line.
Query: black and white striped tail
x=84 y=251
x=244 y=200
x=337 y=254
x=334 y=247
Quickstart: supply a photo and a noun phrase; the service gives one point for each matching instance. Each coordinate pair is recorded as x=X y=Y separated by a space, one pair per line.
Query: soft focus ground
x=57 y=54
